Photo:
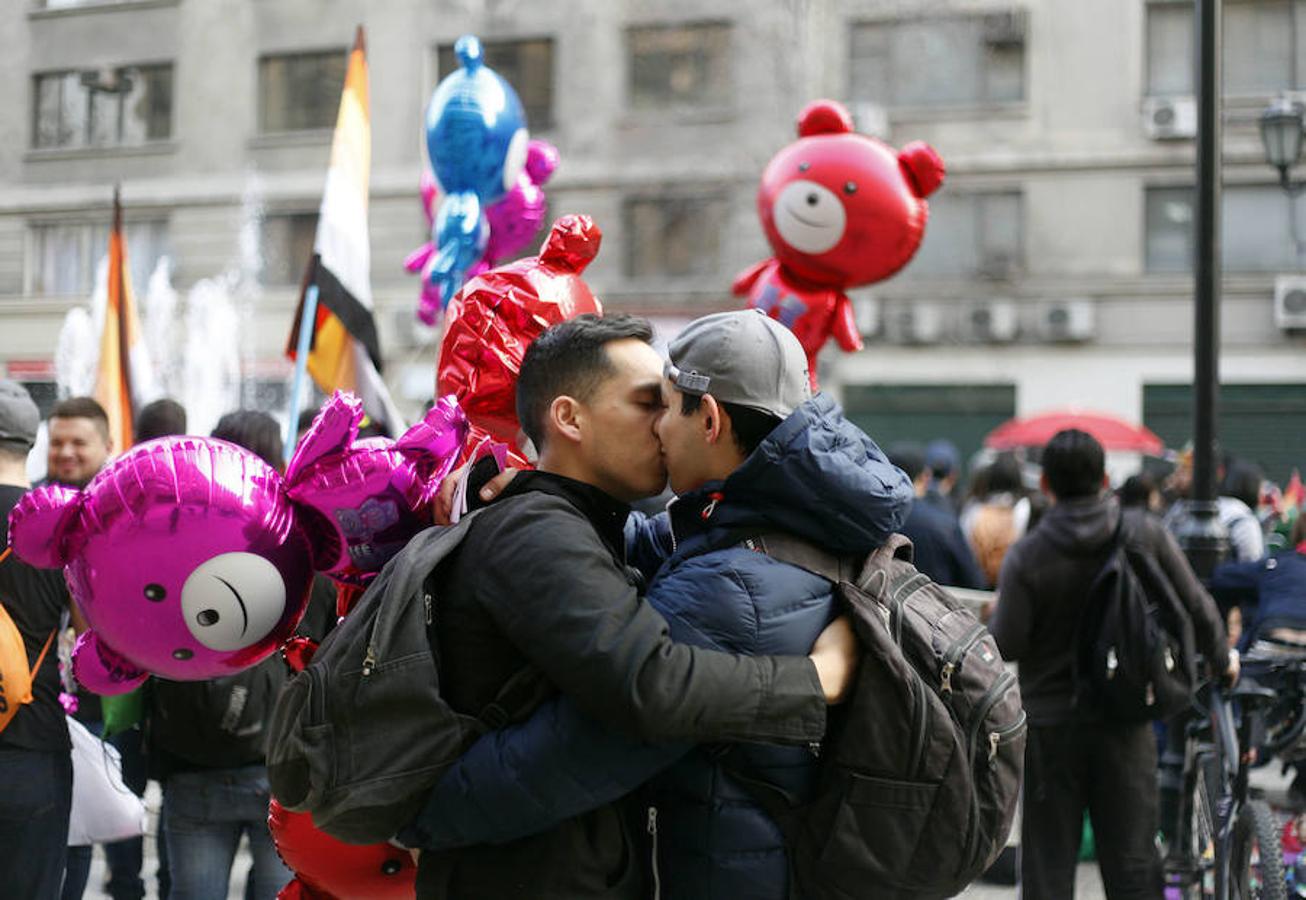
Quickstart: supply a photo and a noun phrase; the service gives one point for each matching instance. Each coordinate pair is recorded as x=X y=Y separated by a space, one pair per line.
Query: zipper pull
x=653 y=820
x=426 y=601
x=814 y=748
x=993 y=748
x=1112 y=663
x=945 y=676
x=369 y=661
x=716 y=497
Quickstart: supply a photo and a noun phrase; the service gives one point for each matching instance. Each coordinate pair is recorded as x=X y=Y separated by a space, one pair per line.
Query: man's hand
x=1232 y=671
x=835 y=656
x=442 y=505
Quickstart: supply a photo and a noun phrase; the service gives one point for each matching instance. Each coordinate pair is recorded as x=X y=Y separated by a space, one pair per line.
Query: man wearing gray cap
x=750 y=453
x=35 y=755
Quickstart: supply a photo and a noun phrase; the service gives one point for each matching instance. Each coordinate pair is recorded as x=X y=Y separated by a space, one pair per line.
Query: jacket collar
x=606 y=513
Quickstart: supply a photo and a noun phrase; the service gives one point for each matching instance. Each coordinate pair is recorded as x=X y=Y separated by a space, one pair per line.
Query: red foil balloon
x=840 y=210
x=496 y=315
x=328 y=869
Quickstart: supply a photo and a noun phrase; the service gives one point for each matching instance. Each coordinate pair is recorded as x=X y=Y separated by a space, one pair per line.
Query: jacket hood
x=817 y=476
x=1082 y=526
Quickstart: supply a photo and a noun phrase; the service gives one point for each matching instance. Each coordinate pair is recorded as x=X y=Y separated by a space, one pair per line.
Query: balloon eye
x=803 y=166
x=155 y=592
x=850 y=187
x=391 y=867
x=812 y=199
x=207 y=617
x=182 y=653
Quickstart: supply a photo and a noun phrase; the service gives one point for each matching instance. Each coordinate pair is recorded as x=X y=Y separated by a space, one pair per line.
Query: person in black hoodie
x=1073 y=761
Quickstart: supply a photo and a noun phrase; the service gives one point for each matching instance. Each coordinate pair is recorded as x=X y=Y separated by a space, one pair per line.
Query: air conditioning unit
x=866 y=313
x=1006 y=29
x=991 y=322
x=870 y=118
x=914 y=323
x=1169 y=118
x=1067 y=321
x=1290 y=302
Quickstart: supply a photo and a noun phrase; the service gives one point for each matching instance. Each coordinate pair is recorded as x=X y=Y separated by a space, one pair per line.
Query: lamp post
x=1281 y=137
x=1204 y=540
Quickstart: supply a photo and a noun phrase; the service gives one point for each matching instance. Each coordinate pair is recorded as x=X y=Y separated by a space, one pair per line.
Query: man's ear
x=565 y=418
x=714 y=424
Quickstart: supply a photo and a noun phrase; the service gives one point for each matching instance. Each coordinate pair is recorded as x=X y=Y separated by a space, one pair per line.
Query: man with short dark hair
x=750 y=453
x=541 y=580
x=35 y=763
x=80 y=444
x=1075 y=760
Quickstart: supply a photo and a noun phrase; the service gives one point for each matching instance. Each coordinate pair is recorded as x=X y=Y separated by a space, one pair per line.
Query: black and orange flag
x=124 y=366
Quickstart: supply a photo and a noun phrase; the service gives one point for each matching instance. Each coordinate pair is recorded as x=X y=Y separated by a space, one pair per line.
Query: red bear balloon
x=840 y=209
x=497 y=314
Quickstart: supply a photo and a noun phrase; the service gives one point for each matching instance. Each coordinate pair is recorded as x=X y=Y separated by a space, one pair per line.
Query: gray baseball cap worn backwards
x=743 y=357
x=19 y=417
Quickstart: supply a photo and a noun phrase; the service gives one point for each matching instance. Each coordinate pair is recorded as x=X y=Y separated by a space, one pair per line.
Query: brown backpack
x=921 y=766
x=992 y=533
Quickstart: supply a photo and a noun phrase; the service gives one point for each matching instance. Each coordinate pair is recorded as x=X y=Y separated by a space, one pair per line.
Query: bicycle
x=1227 y=845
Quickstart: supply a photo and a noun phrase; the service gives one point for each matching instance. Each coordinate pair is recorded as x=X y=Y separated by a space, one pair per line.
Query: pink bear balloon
x=514 y=221
x=191 y=559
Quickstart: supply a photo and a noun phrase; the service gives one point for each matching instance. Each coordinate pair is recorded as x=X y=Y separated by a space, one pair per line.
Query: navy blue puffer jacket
x=816 y=476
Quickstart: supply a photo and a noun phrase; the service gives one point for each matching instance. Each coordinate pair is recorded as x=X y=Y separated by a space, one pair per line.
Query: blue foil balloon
x=476 y=138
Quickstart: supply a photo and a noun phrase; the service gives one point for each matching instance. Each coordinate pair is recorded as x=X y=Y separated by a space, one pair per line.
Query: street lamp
x=1281 y=136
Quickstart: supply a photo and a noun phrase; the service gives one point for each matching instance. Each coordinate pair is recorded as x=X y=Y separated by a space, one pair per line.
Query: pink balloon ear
x=334 y=430
x=426 y=186
x=923 y=167
x=541 y=160
x=435 y=442
x=824 y=117
x=42 y=524
x=103 y=671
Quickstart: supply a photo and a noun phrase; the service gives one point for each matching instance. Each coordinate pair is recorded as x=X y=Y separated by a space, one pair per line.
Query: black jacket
x=541 y=580
x=1044 y=583
x=939 y=548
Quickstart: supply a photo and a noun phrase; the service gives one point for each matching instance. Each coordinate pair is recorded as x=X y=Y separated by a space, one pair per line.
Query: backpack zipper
x=953 y=657
x=990 y=700
x=653 y=842
x=1002 y=736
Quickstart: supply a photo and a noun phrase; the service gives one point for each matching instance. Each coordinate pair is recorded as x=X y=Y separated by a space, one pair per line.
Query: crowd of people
x=671 y=666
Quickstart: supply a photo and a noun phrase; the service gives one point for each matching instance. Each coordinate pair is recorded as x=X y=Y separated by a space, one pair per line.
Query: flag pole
x=306 y=323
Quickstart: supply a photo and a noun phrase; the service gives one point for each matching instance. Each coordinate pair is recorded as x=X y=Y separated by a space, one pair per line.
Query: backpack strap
x=804 y=554
x=520 y=695
x=41 y=657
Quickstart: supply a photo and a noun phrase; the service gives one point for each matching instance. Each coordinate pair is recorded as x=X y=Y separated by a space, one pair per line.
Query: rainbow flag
x=124 y=376
x=345 y=353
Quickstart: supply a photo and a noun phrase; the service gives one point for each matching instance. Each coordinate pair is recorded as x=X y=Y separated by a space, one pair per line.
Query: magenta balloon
x=185 y=555
x=370 y=496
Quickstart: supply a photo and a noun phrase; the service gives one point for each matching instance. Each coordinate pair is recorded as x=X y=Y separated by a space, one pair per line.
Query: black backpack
x=220 y=723
x=921 y=766
x=1135 y=658
x=361 y=735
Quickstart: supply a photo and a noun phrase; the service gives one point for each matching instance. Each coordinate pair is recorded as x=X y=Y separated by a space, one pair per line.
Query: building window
x=675 y=66
x=1256 y=230
x=972 y=235
x=119 y=107
x=1264 y=47
x=674 y=237
x=287 y=247
x=64 y=255
x=526 y=64
x=968 y=60
x=300 y=91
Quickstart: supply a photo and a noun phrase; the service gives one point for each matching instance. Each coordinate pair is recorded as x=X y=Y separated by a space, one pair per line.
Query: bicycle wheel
x=1256 y=860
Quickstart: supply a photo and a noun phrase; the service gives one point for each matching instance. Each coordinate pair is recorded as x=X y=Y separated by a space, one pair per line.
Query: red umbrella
x=1113 y=432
